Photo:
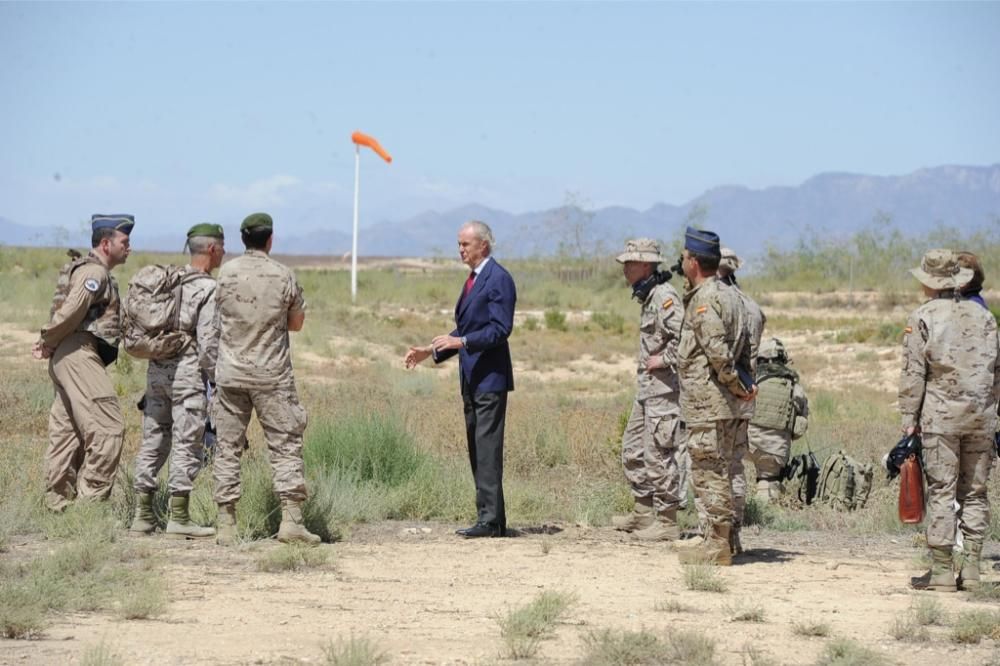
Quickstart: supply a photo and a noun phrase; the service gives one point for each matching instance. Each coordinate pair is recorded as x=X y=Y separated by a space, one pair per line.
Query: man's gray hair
x=482 y=231
x=200 y=244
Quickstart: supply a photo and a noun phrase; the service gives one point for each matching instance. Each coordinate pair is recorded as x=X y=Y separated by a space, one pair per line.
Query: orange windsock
x=363 y=139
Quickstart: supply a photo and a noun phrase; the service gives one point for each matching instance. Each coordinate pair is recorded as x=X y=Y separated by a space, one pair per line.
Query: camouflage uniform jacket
x=196 y=363
x=85 y=299
x=951 y=374
x=253 y=299
x=659 y=332
x=714 y=336
x=755 y=323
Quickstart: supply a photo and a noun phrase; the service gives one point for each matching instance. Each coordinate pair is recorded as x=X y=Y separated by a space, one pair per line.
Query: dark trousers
x=485 y=414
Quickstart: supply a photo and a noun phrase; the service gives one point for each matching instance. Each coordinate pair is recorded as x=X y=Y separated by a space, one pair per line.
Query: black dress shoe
x=463 y=530
x=484 y=530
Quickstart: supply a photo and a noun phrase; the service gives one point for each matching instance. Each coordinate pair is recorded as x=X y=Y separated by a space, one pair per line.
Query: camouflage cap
x=206 y=229
x=939 y=269
x=257 y=221
x=729 y=262
x=641 y=249
x=117 y=221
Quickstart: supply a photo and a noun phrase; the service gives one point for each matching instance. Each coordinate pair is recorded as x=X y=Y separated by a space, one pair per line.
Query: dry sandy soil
x=426 y=596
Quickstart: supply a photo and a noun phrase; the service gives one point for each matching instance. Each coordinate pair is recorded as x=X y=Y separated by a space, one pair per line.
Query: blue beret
x=119 y=222
x=703 y=243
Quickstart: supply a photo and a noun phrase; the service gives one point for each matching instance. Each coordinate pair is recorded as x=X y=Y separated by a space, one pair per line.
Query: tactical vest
x=775 y=408
x=103 y=319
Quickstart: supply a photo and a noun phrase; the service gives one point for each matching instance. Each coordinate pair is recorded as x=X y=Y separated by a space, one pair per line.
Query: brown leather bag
x=911 y=491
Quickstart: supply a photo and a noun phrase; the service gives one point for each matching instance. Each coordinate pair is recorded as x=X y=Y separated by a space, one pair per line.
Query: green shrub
x=610 y=322
x=524 y=628
x=555 y=320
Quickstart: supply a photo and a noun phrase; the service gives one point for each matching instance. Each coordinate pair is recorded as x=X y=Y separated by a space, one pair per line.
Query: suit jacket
x=485 y=317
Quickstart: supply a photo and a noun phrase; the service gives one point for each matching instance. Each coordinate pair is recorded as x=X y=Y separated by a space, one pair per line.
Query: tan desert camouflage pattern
x=659 y=333
x=713 y=332
x=650 y=452
x=76 y=308
x=711 y=448
x=284 y=421
x=957 y=468
x=254 y=297
x=173 y=422
x=737 y=473
x=770 y=450
x=755 y=321
x=86 y=427
x=951 y=377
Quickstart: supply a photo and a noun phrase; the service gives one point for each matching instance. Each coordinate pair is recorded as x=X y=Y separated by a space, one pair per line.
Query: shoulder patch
x=91 y=285
x=667 y=304
x=702 y=309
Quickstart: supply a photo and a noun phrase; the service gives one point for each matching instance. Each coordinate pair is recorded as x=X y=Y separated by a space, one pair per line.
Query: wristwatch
x=463 y=341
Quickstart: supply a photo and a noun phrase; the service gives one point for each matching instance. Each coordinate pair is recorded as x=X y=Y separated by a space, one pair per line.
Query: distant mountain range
x=828 y=205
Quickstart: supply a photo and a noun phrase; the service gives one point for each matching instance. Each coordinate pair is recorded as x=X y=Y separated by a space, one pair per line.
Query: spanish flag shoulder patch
x=702 y=309
x=667 y=304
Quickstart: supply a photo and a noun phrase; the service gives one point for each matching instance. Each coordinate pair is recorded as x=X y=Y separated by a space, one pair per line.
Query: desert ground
x=393 y=584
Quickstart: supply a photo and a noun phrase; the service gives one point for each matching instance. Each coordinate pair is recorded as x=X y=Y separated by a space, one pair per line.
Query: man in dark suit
x=484 y=317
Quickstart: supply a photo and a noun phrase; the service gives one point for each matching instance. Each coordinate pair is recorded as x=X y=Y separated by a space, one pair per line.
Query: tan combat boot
x=180 y=526
x=968 y=571
x=225 y=535
x=640 y=518
x=292 y=530
x=145 y=520
x=941 y=577
x=713 y=549
x=664 y=528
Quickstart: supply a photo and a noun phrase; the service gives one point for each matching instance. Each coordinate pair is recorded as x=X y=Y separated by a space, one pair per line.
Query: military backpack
x=844 y=483
x=775 y=407
x=151 y=310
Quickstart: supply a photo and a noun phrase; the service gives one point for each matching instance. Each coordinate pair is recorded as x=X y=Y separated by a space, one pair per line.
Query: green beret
x=257 y=221
x=206 y=229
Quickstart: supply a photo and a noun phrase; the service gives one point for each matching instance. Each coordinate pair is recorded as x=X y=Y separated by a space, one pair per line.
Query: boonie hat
x=641 y=249
x=939 y=269
x=729 y=261
x=117 y=221
x=257 y=221
x=701 y=242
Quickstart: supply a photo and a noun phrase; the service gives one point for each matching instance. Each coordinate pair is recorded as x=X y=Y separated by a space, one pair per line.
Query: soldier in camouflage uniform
x=649 y=443
x=755 y=320
x=173 y=422
x=780 y=415
x=714 y=367
x=258 y=301
x=948 y=392
x=86 y=428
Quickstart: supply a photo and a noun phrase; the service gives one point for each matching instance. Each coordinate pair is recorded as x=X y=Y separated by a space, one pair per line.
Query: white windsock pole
x=360 y=139
x=354 y=243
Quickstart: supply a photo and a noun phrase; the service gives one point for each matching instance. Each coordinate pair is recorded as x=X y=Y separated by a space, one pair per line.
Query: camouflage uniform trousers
x=650 y=452
x=711 y=446
x=957 y=467
x=86 y=427
x=173 y=425
x=769 y=450
x=283 y=419
x=737 y=474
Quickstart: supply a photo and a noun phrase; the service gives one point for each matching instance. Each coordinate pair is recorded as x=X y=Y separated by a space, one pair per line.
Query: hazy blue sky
x=189 y=112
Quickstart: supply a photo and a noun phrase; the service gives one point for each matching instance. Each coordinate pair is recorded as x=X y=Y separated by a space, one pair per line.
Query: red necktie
x=468 y=284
